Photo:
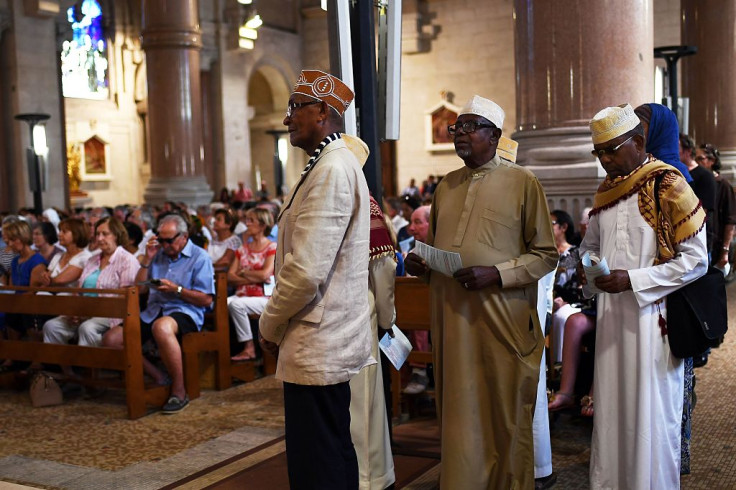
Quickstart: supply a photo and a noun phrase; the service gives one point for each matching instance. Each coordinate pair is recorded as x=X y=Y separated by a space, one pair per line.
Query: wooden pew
x=214 y=337
x=121 y=303
x=411 y=299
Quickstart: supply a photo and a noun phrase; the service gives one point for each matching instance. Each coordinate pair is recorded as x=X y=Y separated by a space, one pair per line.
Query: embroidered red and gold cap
x=325 y=87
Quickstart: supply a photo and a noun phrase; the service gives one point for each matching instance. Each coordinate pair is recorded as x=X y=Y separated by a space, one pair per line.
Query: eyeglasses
x=609 y=150
x=554 y=223
x=168 y=241
x=700 y=158
x=467 y=127
x=298 y=105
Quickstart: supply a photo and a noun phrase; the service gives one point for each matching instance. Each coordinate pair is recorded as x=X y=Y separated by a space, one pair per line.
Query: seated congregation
x=184 y=305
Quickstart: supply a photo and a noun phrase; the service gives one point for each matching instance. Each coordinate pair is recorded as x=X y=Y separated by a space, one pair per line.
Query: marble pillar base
x=561 y=160
x=191 y=190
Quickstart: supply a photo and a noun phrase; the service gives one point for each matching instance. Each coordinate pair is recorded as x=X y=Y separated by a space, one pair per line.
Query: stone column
x=172 y=40
x=571 y=62
x=709 y=77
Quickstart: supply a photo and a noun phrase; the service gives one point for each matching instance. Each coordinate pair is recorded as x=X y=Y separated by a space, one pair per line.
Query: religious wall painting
x=95 y=159
x=437 y=118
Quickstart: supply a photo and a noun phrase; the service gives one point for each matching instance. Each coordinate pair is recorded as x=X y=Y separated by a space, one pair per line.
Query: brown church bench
x=411 y=299
x=113 y=303
x=213 y=338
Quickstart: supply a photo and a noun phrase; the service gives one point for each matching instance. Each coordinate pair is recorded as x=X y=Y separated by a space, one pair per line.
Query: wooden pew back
x=111 y=303
x=411 y=299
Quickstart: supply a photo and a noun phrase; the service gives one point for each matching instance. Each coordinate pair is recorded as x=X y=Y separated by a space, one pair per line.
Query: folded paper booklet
x=592 y=271
x=396 y=348
x=439 y=260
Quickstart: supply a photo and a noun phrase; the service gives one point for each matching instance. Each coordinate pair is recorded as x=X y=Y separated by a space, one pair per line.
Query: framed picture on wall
x=436 y=120
x=95 y=161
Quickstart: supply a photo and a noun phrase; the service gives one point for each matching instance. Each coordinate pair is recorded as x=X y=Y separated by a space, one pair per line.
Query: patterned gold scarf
x=681 y=216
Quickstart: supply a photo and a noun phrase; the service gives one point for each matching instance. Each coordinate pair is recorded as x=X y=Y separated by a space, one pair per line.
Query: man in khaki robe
x=486 y=337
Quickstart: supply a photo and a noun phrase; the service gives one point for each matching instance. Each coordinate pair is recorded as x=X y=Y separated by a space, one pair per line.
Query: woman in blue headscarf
x=663 y=135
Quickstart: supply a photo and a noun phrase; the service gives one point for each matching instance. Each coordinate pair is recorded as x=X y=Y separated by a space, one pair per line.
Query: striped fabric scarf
x=328 y=139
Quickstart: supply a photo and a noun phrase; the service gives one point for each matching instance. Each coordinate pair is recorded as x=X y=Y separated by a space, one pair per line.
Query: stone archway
x=268 y=95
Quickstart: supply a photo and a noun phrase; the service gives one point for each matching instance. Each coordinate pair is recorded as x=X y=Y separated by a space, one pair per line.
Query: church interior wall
x=279 y=50
x=456 y=47
x=116 y=120
x=30 y=52
x=470 y=50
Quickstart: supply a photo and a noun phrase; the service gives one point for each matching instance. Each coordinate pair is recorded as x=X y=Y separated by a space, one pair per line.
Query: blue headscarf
x=664 y=138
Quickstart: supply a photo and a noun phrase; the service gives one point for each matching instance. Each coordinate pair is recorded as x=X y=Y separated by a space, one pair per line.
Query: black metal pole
x=35 y=172
x=366 y=89
x=672 y=76
x=671 y=55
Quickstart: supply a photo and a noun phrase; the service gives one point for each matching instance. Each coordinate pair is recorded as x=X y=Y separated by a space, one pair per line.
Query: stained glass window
x=84 y=56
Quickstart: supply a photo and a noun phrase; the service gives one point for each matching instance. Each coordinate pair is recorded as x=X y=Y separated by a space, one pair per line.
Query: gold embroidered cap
x=485 y=108
x=325 y=87
x=506 y=148
x=612 y=122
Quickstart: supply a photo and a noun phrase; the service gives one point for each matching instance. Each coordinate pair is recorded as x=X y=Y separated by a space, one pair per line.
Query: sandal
x=587 y=409
x=566 y=400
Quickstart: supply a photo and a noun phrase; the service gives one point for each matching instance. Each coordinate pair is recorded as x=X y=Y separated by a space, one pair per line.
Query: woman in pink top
x=113 y=268
x=252 y=267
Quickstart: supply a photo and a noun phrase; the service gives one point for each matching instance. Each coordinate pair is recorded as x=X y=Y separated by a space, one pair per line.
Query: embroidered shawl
x=380 y=239
x=681 y=216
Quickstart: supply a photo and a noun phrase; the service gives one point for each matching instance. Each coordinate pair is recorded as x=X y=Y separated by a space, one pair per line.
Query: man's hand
x=167 y=286
x=415 y=265
x=617 y=281
x=478 y=277
x=268 y=346
x=152 y=248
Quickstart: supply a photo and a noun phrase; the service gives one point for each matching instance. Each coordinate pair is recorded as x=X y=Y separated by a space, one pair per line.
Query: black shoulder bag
x=697 y=315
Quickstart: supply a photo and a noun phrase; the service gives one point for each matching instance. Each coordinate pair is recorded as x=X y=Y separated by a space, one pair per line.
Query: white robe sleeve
x=653 y=283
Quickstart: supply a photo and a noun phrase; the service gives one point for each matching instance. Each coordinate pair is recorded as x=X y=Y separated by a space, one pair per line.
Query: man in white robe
x=638 y=382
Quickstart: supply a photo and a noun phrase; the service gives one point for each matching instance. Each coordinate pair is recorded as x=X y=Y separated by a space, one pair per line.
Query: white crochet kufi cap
x=612 y=122
x=485 y=108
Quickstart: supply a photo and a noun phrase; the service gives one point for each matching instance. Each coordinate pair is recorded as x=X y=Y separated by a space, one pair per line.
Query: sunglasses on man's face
x=167 y=241
x=610 y=150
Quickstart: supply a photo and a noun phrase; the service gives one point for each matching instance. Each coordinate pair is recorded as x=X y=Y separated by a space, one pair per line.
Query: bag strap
x=657 y=181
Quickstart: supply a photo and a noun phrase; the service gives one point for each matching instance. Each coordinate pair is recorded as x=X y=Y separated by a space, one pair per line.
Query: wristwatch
x=178 y=290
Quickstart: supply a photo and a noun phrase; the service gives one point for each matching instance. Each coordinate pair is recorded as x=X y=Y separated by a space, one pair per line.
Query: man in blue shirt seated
x=181 y=283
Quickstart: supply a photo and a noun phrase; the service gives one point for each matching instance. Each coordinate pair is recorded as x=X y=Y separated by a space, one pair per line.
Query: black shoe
x=175 y=405
x=545 y=482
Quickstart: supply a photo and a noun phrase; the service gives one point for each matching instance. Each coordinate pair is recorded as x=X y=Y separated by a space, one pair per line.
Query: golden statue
x=73 y=162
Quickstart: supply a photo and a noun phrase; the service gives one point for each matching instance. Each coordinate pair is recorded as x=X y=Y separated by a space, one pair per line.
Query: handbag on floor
x=45 y=391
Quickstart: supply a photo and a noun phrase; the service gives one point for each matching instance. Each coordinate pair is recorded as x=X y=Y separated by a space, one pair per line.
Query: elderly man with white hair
x=487 y=341
x=649 y=226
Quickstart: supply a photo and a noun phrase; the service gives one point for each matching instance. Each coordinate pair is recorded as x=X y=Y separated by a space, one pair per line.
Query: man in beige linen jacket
x=317 y=320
